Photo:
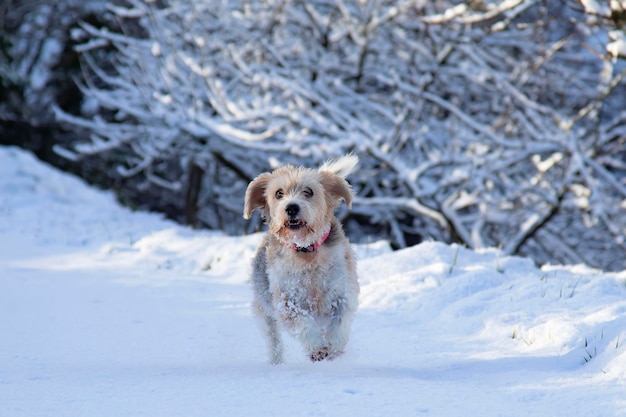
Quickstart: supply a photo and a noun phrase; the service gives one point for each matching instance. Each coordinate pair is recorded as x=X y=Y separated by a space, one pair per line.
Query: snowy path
x=104 y=312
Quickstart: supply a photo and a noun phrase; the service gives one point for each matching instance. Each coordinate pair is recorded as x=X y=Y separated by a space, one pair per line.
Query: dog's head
x=298 y=203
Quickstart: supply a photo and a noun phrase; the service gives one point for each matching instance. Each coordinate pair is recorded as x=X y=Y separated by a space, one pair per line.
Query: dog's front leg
x=269 y=325
x=339 y=326
x=263 y=305
x=276 y=345
x=312 y=338
x=305 y=327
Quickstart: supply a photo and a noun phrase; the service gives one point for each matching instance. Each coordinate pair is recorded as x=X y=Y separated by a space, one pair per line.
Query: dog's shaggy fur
x=304 y=272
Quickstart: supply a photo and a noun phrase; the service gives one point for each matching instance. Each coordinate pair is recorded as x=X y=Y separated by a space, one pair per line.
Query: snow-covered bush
x=487 y=123
x=34 y=50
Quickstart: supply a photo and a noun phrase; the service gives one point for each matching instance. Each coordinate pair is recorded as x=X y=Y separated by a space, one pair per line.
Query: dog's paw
x=334 y=354
x=319 y=354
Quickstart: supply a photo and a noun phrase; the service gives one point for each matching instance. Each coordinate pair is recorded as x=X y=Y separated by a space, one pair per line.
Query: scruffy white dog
x=304 y=272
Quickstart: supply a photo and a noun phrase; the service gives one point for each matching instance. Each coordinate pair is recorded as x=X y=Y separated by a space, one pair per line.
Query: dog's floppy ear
x=255 y=195
x=337 y=187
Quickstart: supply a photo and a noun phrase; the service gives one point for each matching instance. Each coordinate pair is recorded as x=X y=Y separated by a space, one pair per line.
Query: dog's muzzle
x=294 y=223
x=292 y=210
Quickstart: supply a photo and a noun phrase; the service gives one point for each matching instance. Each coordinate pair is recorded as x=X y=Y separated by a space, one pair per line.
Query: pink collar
x=311 y=248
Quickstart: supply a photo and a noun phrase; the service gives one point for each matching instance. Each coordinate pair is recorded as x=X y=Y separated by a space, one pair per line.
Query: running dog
x=304 y=272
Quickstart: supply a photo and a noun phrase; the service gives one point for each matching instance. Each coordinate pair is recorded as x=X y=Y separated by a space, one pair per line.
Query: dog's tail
x=342 y=166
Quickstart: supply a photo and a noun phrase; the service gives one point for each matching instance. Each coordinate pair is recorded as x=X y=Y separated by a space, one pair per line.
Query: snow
x=50 y=52
x=108 y=312
x=595 y=8
x=617 y=46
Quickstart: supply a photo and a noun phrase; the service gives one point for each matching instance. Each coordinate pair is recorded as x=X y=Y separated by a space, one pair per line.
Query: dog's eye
x=279 y=194
x=308 y=193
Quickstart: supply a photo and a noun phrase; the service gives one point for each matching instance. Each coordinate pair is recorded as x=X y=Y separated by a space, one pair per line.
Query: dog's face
x=297 y=203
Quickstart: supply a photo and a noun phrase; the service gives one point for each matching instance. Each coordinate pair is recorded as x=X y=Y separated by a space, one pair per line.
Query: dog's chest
x=310 y=285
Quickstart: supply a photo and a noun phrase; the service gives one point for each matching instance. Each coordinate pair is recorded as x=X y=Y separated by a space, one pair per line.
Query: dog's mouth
x=295 y=224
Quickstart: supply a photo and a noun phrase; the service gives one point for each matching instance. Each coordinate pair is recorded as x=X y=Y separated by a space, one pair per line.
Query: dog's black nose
x=292 y=210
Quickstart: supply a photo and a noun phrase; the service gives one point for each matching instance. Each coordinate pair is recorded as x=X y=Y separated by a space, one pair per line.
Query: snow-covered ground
x=106 y=312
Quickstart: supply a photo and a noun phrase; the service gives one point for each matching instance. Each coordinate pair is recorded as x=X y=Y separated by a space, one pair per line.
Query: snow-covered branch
x=472 y=124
